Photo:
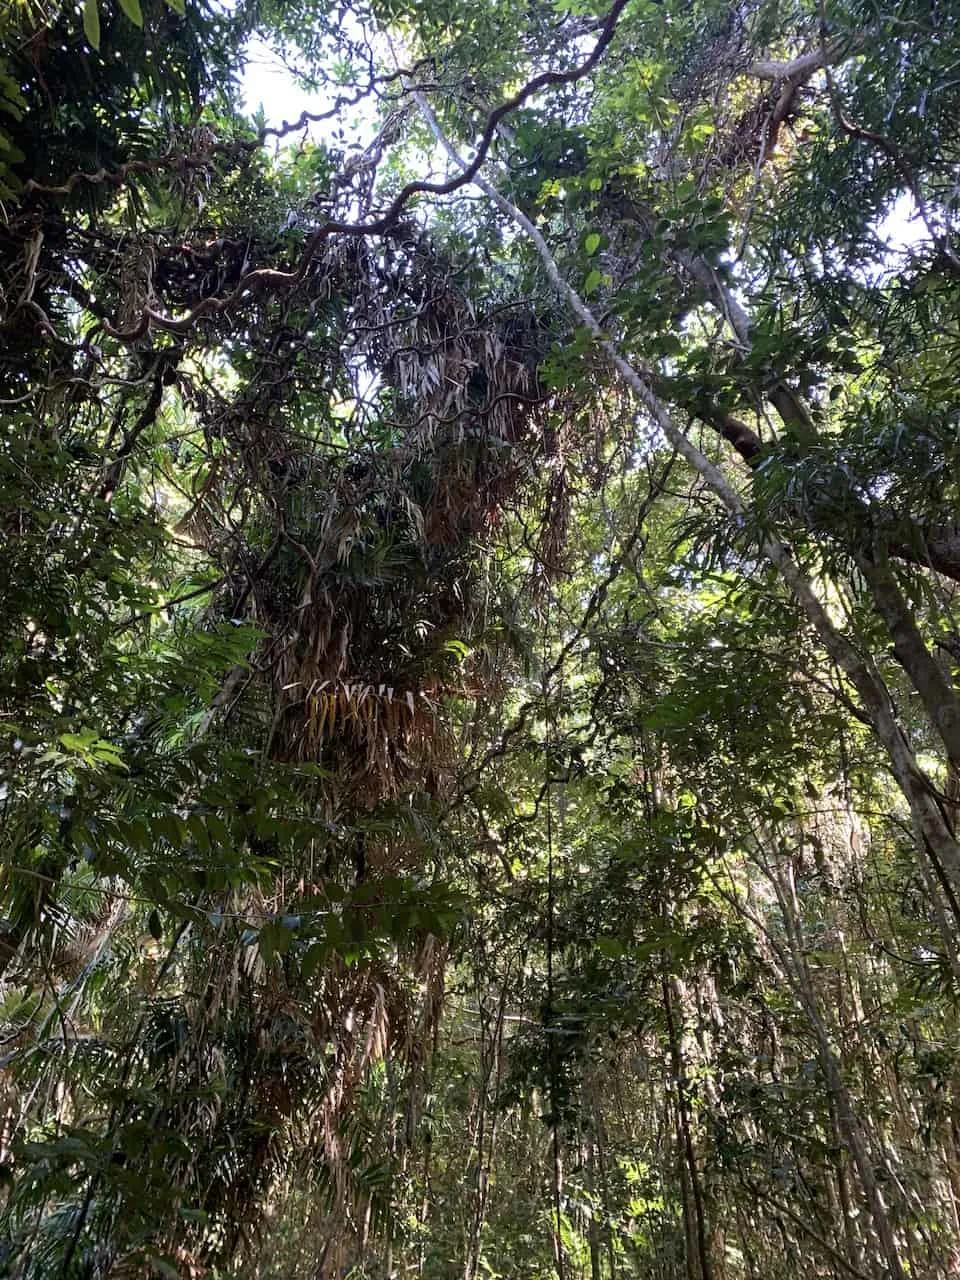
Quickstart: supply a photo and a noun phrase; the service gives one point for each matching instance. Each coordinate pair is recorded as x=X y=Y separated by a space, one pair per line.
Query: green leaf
x=592 y=242
x=217 y=830
x=265 y=943
x=316 y=954
x=592 y=281
x=133 y=11
x=198 y=830
x=274 y=940
x=178 y=6
x=91 y=23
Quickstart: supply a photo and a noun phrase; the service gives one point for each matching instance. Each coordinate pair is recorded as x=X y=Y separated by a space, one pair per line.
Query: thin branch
x=806 y=64
x=935 y=834
x=270 y=279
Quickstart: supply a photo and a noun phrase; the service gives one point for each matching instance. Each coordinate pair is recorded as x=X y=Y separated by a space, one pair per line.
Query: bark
x=848 y=1119
x=685 y=1134
x=932 y=826
x=600 y=1149
x=928 y=546
x=593 y=1227
x=932 y=546
x=934 y=830
x=926 y=674
x=801 y=68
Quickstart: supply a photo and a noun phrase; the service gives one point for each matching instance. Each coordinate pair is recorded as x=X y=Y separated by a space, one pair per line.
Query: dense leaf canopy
x=479 y=651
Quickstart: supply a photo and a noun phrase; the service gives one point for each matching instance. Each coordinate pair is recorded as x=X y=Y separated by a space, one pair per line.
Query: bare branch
x=805 y=65
x=268 y=279
x=935 y=834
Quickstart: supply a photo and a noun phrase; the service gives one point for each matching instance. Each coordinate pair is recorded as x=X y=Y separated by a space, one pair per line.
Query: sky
x=267 y=82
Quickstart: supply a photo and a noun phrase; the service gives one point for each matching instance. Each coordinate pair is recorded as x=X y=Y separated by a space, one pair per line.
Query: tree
x=505 y=563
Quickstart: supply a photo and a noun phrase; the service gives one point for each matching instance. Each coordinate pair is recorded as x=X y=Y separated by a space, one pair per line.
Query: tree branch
x=935 y=834
x=806 y=64
x=269 y=279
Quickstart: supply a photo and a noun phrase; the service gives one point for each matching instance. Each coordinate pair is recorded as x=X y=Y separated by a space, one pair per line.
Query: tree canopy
x=479 y=650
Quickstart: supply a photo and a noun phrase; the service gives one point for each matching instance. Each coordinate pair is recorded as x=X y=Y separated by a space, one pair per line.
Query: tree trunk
x=678 y=1069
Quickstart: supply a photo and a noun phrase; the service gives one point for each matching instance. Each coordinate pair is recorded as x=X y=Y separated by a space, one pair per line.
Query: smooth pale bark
x=933 y=828
x=929 y=546
x=791 y=963
x=849 y=1120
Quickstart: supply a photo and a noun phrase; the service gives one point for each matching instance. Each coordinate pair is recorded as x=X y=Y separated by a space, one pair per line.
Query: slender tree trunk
x=593 y=1227
x=678 y=1068
x=847 y=1210
x=935 y=834
x=928 y=677
x=850 y=1123
x=600 y=1149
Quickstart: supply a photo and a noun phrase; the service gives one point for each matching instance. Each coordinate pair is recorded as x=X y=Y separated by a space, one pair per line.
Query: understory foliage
x=479 y=720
